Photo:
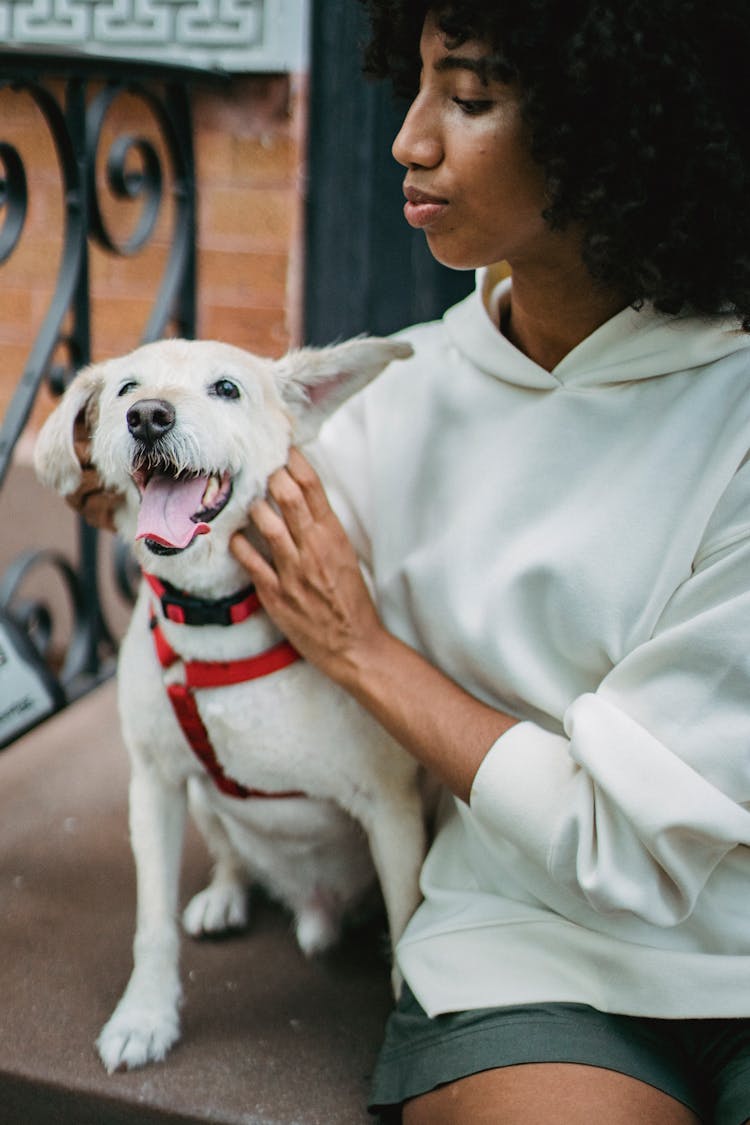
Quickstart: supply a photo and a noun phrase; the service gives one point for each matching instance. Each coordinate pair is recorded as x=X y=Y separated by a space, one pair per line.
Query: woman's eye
x=225 y=388
x=126 y=388
x=472 y=106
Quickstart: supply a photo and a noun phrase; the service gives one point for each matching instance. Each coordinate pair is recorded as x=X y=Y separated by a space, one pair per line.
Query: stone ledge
x=268 y=1037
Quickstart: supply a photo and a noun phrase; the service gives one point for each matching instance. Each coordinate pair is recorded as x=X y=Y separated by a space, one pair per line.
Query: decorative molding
x=231 y=35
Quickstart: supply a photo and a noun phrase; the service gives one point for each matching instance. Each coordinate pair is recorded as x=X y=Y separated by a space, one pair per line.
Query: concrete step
x=269 y=1038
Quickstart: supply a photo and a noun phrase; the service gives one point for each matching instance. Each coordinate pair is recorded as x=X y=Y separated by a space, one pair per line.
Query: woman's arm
x=315 y=593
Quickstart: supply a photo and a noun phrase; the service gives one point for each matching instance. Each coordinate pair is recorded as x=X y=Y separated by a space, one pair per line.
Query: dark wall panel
x=365 y=269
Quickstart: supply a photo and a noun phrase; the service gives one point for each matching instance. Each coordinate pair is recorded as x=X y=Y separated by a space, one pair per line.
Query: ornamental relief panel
x=234 y=35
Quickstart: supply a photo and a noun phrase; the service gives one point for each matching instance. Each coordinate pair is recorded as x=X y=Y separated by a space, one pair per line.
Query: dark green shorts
x=703 y=1063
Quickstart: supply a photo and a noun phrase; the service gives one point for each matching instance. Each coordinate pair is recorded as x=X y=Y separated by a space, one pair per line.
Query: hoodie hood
x=631 y=346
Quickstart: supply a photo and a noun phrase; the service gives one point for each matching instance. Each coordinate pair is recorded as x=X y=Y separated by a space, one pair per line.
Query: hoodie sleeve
x=632 y=808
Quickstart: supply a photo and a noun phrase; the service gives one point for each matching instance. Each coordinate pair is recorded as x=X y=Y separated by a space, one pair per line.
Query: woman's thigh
x=547 y=1094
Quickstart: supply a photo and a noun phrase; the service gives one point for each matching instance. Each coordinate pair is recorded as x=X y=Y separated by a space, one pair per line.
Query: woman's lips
x=421 y=209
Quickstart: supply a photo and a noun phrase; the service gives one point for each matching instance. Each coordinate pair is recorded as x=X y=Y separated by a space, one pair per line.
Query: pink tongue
x=167 y=508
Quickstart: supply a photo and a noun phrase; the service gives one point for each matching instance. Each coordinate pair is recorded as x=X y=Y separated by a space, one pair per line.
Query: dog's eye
x=126 y=388
x=225 y=388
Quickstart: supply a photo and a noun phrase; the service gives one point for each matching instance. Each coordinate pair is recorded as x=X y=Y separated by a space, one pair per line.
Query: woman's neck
x=552 y=310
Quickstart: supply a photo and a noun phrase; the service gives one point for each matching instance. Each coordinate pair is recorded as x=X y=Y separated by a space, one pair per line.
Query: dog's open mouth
x=175 y=508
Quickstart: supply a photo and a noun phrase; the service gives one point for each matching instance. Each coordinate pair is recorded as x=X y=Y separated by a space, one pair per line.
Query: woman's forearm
x=439 y=723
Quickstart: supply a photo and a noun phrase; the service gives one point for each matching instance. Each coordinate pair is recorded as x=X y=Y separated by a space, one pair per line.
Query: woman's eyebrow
x=460 y=62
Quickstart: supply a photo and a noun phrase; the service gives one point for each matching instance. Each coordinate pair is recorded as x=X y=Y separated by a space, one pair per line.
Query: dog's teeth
x=212 y=491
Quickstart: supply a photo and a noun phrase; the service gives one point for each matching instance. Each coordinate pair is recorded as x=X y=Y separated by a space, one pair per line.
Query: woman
x=553 y=498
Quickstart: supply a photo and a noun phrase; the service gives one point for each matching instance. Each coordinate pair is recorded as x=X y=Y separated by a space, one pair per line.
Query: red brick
x=247 y=218
x=249 y=106
x=112 y=274
x=251 y=161
x=16 y=308
x=259 y=330
x=240 y=278
x=33 y=262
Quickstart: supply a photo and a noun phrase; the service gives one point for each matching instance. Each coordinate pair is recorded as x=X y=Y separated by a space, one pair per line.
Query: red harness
x=207 y=674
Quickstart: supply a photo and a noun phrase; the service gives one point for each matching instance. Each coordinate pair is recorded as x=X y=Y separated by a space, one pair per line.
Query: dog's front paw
x=135 y=1036
x=217 y=909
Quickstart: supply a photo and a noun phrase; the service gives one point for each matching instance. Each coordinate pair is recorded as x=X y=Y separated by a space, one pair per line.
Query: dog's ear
x=55 y=459
x=314 y=381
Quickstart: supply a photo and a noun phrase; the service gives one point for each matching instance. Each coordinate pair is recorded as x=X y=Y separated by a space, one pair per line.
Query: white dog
x=282 y=769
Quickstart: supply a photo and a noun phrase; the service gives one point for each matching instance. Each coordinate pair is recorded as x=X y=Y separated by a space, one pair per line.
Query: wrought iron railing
x=75 y=93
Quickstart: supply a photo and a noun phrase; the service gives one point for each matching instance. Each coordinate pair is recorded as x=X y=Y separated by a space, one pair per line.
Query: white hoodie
x=573 y=547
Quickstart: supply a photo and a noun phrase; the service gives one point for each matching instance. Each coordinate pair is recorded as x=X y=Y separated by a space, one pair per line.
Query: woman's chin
x=455 y=257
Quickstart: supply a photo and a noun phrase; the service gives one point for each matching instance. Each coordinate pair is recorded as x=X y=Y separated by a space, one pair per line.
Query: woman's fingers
x=82 y=441
x=312 y=586
x=276 y=532
x=309 y=483
x=91 y=500
x=300 y=497
x=292 y=507
x=261 y=572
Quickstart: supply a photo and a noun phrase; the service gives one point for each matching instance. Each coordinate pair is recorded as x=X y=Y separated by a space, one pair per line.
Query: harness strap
x=222 y=673
x=204 y=673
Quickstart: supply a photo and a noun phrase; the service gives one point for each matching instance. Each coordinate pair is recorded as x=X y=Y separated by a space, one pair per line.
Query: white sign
x=25 y=693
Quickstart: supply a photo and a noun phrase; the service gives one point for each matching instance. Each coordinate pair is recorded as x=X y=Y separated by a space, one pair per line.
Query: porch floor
x=269 y=1038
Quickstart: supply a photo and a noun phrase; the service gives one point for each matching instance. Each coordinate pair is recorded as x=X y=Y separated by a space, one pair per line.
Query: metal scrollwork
x=13 y=198
x=135 y=174
x=145 y=184
x=74 y=241
x=33 y=612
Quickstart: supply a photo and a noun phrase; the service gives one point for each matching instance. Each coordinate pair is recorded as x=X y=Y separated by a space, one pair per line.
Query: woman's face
x=471 y=183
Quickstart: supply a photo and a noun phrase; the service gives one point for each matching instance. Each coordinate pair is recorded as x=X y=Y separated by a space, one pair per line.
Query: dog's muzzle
x=177 y=504
x=176 y=507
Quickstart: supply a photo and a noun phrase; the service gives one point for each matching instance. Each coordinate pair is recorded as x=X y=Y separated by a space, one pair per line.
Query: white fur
x=292 y=730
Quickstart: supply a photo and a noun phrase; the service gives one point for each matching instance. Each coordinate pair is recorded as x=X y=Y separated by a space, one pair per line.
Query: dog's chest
x=287 y=730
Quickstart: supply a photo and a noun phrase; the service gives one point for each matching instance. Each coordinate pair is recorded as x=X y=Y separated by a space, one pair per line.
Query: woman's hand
x=91 y=500
x=314 y=591
x=313 y=587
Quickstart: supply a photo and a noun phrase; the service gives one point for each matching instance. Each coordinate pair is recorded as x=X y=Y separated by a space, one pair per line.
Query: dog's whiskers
x=169 y=460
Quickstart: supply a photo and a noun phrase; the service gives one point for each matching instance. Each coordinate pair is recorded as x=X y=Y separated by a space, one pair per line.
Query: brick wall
x=249 y=148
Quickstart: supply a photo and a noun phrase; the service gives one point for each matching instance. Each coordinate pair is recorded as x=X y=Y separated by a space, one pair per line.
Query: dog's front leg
x=396 y=832
x=145 y=1023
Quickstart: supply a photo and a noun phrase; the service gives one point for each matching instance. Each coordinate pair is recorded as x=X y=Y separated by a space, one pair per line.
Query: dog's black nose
x=150 y=419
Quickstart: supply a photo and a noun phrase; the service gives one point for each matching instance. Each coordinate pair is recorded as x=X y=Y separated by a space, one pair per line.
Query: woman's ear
x=313 y=382
x=55 y=458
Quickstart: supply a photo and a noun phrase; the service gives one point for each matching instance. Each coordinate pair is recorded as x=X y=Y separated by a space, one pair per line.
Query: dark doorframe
x=365 y=269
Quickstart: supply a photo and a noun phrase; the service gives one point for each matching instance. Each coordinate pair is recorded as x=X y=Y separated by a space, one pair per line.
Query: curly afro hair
x=639 y=115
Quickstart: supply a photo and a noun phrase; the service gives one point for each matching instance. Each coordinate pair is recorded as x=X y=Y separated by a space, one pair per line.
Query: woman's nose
x=417 y=143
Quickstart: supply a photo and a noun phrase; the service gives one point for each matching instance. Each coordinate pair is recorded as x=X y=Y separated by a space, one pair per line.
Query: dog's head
x=189 y=431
